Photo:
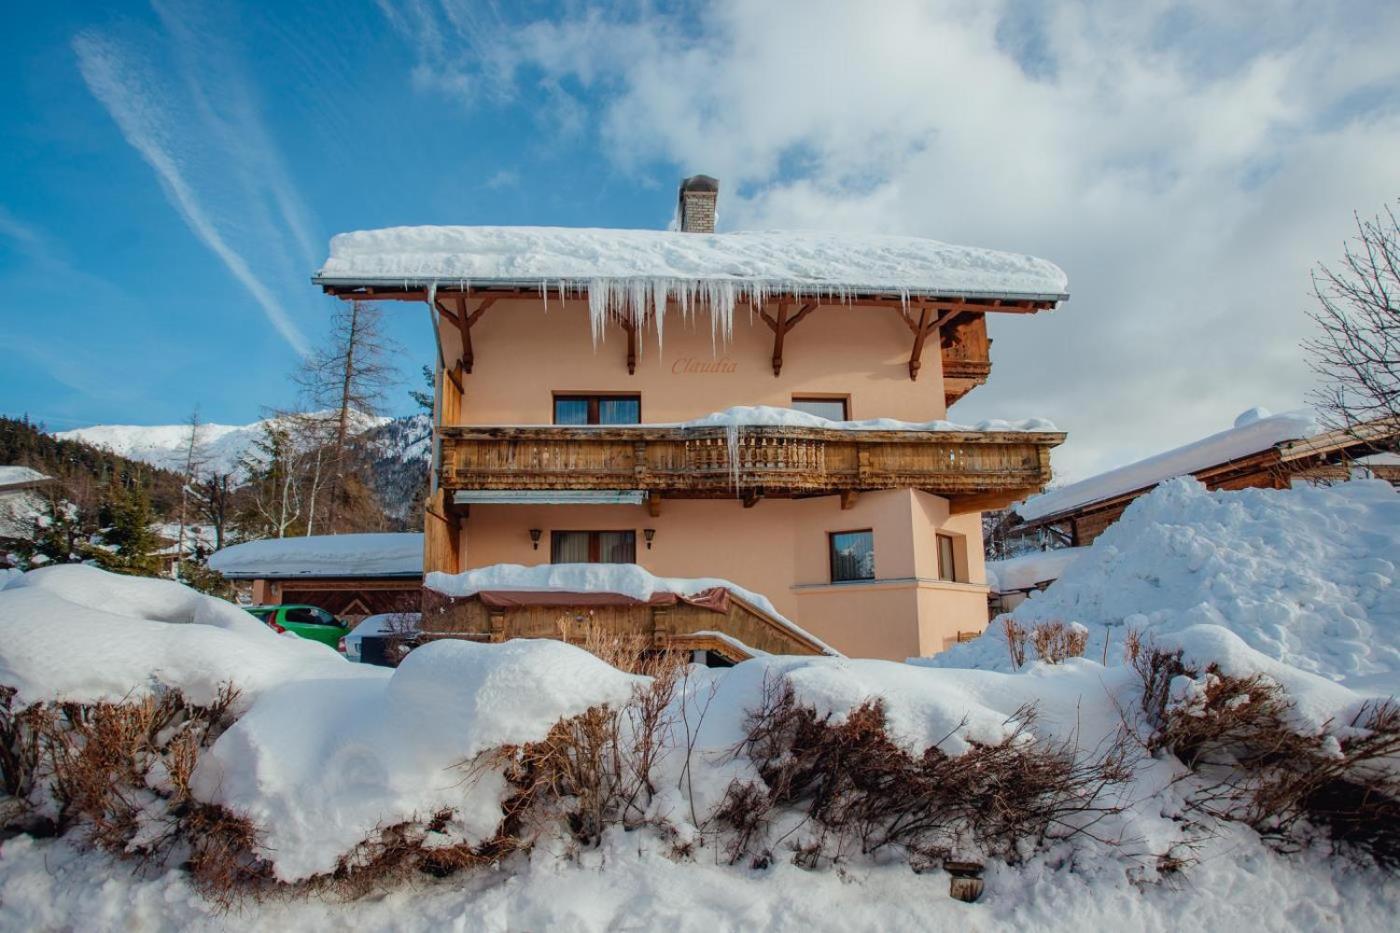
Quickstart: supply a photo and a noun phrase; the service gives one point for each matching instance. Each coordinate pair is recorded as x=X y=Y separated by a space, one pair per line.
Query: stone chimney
x=697 y=204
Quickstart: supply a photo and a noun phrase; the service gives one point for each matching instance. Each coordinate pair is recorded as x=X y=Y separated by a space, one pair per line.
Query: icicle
x=598 y=308
x=432 y=295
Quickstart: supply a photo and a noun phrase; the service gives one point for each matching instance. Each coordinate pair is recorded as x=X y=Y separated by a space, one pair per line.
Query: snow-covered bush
x=1252 y=760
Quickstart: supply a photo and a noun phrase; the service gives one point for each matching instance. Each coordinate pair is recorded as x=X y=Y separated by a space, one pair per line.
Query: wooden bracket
x=848 y=499
x=654 y=504
x=630 y=326
x=464 y=327
x=751 y=498
x=921 y=333
x=454 y=375
x=780 y=326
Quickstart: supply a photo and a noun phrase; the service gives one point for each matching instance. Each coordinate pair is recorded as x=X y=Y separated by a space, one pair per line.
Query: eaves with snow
x=647 y=266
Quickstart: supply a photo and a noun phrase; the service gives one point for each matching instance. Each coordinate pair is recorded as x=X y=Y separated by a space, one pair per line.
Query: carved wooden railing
x=774 y=461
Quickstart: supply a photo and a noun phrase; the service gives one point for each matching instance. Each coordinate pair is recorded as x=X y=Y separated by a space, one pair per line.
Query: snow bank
x=18 y=475
x=1028 y=570
x=1304 y=576
x=351 y=555
x=1254 y=430
x=77 y=633
x=319 y=766
x=629 y=580
x=947 y=709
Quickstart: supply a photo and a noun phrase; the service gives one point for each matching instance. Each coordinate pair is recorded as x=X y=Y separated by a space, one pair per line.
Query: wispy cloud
x=182 y=136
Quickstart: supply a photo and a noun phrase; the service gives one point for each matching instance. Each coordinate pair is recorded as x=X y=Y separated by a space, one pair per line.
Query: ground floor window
x=947 y=562
x=597 y=409
x=832 y=409
x=593 y=547
x=852 y=555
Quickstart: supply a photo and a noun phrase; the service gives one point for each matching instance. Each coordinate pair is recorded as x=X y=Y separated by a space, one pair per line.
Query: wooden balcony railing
x=976 y=469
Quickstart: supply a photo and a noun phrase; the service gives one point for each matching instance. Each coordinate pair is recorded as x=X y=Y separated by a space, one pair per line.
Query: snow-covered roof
x=1027 y=571
x=687 y=266
x=353 y=555
x=19 y=476
x=1254 y=430
x=629 y=580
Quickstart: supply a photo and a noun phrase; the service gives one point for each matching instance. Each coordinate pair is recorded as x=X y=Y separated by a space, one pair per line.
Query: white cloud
x=1185 y=163
x=200 y=152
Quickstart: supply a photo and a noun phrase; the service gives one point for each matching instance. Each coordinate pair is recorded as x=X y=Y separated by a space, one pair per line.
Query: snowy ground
x=1294 y=586
x=627 y=885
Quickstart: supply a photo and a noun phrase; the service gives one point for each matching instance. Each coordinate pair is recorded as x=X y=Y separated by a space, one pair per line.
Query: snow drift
x=365 y=753
x=1303 y=576
x=76 y=633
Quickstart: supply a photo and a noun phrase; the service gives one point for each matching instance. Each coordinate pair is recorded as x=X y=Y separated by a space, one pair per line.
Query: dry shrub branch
x=863 y=793
x=1250 y=763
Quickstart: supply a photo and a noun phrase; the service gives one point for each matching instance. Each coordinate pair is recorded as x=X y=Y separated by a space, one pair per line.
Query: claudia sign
x=688 y=365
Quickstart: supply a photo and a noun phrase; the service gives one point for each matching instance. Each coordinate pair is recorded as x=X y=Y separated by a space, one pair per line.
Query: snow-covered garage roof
x=687 y=266
x=354 y=555
x=1254 y=430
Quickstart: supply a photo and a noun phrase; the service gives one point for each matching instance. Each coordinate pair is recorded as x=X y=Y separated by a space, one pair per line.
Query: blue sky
x=171 y=172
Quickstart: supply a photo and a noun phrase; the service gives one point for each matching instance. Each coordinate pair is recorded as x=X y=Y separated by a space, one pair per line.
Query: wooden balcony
x=976 y=470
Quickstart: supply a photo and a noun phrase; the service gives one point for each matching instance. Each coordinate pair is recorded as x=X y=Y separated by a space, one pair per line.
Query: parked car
x=310 y=622
x=391 y=626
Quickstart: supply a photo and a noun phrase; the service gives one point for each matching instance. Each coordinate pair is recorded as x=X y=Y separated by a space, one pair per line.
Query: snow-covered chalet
x=764 y=408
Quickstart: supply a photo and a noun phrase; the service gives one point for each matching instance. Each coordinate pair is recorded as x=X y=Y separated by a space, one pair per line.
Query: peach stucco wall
x=524 y=354
x=779 y=548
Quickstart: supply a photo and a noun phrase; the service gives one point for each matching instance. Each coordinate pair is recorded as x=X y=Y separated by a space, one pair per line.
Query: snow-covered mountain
x=222 y=446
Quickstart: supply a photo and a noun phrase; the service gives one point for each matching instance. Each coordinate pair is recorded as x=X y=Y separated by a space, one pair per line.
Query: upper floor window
x=597 y=409
x=947 y=559
x=593 y=547
x=832 y=409
x=852 y=555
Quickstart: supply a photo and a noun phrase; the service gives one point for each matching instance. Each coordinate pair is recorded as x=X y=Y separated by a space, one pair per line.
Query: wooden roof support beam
x=921 y=333
x=630 y=326
x=464 y=327
x=654 y=505
x=751 y=498
x=848 y=499
x=779 y=332
x=454 y=374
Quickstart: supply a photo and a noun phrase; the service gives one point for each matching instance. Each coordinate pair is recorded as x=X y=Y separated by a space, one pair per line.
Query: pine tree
x=130 y=542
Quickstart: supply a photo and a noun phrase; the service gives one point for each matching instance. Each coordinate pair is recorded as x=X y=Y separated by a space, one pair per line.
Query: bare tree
x=194 y=461
x=348 y=377
x=1357 y=353
x=213 y=502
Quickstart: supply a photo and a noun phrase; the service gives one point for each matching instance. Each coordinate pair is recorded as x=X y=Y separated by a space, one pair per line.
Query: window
x=597 y=409
x=832 y=409
x=852 y=555
x=593 y=547
x=947 y=564
x=307 y=615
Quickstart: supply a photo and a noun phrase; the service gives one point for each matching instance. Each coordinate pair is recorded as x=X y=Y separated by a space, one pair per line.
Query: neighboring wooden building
x=659 y=397
x=352 y=576
x=1258 y=453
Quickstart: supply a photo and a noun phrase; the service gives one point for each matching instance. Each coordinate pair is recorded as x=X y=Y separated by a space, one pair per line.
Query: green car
x=310 y=622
